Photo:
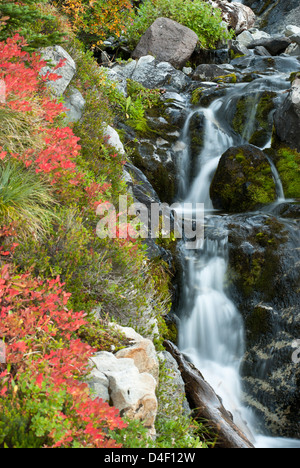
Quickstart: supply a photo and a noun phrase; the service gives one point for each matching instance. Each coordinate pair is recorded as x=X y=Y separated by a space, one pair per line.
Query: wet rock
x=266 y=65
x=275 y=45
x=287 y=118
x=263 y=103
x=273 y=17
x=167 y=41
x=209 y=72
x=263 y=280
x=243 y=180
x=207 y=404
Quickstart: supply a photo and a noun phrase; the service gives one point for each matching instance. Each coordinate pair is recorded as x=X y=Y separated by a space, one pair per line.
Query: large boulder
x=167 y=41
x=243 y=180
x=56 y=56
x=287 y=117
x=238 y=16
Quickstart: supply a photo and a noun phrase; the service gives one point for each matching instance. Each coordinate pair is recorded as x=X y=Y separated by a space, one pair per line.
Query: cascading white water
x=212 y=329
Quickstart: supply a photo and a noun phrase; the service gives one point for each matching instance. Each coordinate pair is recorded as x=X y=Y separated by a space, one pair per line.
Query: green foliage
x=175 y=429
x=288 y=166
x=30 y=414
x=38 y=28
x=100 y=335
x=25 y=198
x=139 y=101
x=197 y=15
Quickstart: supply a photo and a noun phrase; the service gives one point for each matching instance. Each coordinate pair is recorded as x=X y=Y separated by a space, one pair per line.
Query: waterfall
x=212 y=329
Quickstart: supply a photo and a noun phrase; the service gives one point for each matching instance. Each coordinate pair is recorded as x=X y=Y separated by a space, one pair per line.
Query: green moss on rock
x=288 y=166
x=243 y=180
x=262 y=104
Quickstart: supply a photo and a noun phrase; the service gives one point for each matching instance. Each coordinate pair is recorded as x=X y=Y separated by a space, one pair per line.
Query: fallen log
x=209 y=407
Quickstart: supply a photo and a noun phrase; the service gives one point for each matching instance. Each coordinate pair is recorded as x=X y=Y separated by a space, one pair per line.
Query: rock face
x=67 y=71
x=264 y=275
x=243 y=180
x=128 y=379
x=167 y=41
x=287 y=117
x=275 y=16
x=238 y=16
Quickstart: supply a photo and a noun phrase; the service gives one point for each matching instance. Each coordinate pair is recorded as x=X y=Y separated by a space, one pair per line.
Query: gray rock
x=245 y=38
x=168 y=41
x=275 y=45
x=287 y=117
x=258 y=35
x=292 y=30
x=176 y=389
x=54 y=55
x=153 y=74
x=238 y=49
x=113 y=139
x=274 y=16
x=99 y=385
x=208 y=72
x=293 y=50
x=119 y=80
x=262 y=51
x=75 y=102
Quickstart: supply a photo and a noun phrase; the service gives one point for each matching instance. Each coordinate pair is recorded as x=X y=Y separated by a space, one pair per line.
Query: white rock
x=54 y=55
x=132 y=392
x=292 y=30
x=113 y=139
x=99 y=384
x=293 y=50
x=75 y=102
x=258 y=35
x=245 y=38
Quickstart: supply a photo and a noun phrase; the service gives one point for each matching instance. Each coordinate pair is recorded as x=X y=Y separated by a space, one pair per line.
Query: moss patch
x=243 y=180
x=262 y=105
x=288 y=166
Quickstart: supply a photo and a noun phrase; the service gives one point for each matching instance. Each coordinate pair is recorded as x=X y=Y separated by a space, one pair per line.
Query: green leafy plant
x=197 y=15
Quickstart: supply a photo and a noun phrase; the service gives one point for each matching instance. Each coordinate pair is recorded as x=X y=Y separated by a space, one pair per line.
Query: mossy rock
x=263 y=105
x=243 y=181
x=287 y=162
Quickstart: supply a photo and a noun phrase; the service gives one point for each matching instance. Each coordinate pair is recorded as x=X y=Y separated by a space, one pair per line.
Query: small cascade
x=212 y=329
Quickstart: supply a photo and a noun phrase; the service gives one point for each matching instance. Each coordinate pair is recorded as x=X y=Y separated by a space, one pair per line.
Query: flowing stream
x=212 y=329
